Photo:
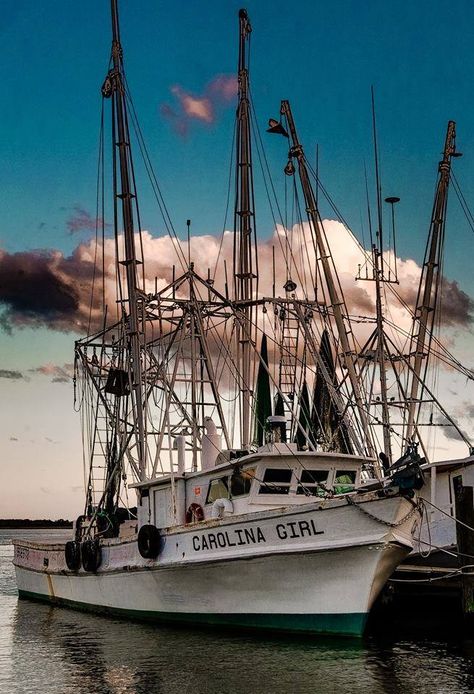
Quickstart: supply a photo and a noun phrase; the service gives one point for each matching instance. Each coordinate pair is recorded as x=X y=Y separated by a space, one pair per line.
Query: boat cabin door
x=162 y=501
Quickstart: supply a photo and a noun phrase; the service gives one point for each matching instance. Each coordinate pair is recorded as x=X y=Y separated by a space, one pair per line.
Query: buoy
x=194 y=514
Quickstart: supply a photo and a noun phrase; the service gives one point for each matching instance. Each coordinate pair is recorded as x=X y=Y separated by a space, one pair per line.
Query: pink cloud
x=218 y=93
x=194 y=106
x=223 y=87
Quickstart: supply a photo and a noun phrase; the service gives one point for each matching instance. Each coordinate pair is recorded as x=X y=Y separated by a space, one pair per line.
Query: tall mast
x=379 y=276
x=430 y=277
x=244 y=228
x=114 y=87
x=336 y=300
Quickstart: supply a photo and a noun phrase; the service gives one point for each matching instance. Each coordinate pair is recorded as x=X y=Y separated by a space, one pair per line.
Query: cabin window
x=276 y=481
x=344 y=481
x=218 y=489
x=310 y=481
x=231 y=486
x=241 y=481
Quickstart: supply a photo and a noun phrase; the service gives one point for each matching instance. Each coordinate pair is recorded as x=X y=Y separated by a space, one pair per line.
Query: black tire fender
x=91 y=555
x=149 y=541
x=72 y=555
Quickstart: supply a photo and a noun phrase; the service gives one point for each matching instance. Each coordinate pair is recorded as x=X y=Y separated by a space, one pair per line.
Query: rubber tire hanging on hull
x=91 y=555
x=72 y=555
x=149 y=541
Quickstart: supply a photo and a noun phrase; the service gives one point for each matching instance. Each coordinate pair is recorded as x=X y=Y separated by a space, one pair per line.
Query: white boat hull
x=317 y=568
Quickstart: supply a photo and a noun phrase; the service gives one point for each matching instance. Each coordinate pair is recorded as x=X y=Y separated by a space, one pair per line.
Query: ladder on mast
x=289 y=346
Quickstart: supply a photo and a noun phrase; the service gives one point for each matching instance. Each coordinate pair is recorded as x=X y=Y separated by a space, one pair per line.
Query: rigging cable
x=98 y=216
x=154 y=181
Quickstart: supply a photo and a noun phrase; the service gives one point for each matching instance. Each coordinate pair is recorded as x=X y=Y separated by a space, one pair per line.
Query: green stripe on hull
x=340 y=624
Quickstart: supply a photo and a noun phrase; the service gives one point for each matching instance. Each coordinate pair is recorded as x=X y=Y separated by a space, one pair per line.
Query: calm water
x=58 y=651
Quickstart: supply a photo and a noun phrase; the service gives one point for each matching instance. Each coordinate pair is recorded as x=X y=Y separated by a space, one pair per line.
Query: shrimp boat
x=238 y=421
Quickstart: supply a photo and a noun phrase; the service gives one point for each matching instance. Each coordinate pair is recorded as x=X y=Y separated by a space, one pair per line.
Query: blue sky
x=322 y=56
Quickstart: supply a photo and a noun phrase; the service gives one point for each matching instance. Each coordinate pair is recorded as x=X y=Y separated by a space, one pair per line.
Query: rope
x=227 y=203
x=429 y=580
x=450 y=553
x=99 y=199
x=453 y=518
x=462 y=201
x=424 y=516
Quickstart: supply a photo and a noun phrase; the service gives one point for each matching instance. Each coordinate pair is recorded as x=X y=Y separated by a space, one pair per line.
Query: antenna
x=273 y=271
x=392 y=201
x=226 y=282
x=379 y=233
x=188 y=224
x=377 y=339
x=316 y=192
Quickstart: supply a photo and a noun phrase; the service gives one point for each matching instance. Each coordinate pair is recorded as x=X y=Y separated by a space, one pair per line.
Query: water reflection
x=97 y=655
x=59 y=651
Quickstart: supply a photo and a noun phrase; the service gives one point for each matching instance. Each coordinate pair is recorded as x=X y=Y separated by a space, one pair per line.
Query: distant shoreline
x=22 y=523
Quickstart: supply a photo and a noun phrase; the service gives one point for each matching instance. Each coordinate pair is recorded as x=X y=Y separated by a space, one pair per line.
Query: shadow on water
x=60 y=651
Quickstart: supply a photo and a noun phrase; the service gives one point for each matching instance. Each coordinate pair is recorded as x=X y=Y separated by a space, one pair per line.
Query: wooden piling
x=464 y=508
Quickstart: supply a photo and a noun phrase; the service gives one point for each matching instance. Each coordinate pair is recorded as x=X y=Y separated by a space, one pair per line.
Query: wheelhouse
x=274 y=476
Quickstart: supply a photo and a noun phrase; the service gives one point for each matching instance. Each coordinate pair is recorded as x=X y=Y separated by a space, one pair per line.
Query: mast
x=114 y=87
x=336 y=300
x=244 y=231
x=430 y=277
x=379 y=277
